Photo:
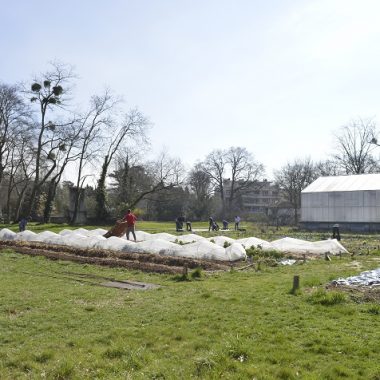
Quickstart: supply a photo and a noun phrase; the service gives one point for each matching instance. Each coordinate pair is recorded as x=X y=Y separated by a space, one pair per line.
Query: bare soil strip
x=140 y=261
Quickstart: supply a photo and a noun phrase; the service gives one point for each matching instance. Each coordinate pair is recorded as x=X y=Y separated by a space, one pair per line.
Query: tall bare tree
x=14 y=117
x=293 y=178
x=49 y=92
x=91 y=126
x=63 y=156
x=200 y=185
x=133 y=127
x=19 y=174
x=234 y=167
x=354 y=148
x=245 y=171
x=215 y=166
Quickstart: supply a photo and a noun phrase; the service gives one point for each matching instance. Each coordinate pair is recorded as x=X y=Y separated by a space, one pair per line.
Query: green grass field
x=56 y=322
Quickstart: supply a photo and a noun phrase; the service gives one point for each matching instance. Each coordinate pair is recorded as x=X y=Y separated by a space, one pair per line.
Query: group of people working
x=213 y=225
x=130 y=219
x=179 y=222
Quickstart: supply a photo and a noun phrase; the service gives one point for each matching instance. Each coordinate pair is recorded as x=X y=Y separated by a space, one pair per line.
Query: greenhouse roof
x=344 y=183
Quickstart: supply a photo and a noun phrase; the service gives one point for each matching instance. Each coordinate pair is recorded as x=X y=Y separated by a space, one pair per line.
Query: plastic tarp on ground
x=190 y=245
x=367 y=278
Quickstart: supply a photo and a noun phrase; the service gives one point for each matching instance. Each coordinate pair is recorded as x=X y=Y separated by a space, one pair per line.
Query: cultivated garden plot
x=192 y=246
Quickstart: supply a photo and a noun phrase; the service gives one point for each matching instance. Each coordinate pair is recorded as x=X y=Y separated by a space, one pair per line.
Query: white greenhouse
x=352 y=201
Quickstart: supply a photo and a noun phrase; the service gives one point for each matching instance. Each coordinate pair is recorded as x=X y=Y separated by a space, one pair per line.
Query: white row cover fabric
x=292 y=245
x=191 y=245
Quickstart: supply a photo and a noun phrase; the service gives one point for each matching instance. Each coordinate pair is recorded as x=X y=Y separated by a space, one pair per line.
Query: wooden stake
x=296 y=283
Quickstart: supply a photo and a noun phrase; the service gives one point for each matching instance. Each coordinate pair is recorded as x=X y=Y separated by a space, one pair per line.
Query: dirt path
x=141 y=261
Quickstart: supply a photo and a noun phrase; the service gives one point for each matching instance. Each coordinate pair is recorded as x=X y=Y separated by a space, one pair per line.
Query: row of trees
x=43 y=137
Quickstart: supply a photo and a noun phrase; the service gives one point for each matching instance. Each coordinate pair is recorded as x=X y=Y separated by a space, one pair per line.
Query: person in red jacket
x=130 y=218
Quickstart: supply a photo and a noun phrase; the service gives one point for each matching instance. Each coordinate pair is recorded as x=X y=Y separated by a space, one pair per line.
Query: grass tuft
x=64 y=371
x=204 y=365
x=325 y=298
x=375 y=310
x=114 y=353
x=44 y=357
x=196 y=273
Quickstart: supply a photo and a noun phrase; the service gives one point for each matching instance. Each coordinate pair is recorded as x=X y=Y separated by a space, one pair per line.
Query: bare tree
x=354 y=148
x=91 y=126
x=20 y=171
x=293 y=178
x=133 y=127
x=164 y=173
x=65 y=154
x=327 y=168
x=245 y=171
x=234 y=168
x=49 y=92
x=200 y=184
x=14 y=116
x=215 y=166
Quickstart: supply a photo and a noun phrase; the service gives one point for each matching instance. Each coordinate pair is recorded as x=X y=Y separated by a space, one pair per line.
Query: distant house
x=352 y=201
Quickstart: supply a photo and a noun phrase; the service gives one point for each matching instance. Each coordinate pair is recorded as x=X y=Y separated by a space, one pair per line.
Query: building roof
x=344 y=183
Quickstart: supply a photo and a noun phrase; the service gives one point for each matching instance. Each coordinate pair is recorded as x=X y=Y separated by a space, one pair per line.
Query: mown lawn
x=56 y=322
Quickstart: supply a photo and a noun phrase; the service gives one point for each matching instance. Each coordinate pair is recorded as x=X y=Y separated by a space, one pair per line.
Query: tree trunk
x=49 y=201
x=101 y=210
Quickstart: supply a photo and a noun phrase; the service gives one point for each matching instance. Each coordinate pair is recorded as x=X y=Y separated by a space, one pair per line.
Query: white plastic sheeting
x=287 y=262
x=48 y=237
x=235 y=252
x=6 y=234
x=190 y=238
x=25 y=236
x=221 y=240
x=292 y=245
x=368 y=278
x=256 y=243
x=190 y=245
x=160 y=246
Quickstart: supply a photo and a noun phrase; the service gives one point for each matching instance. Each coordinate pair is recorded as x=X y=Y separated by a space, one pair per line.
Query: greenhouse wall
x=341 y=207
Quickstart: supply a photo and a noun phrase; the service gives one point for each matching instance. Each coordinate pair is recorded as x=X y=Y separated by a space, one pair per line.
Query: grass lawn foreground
x=56 y=322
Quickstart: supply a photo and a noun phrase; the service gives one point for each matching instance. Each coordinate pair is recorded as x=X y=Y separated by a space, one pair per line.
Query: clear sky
x=275 y=76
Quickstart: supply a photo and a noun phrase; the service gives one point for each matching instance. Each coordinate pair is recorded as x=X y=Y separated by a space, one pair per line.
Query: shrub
x=181 y=277
x=196 y=273
x=257 y=253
